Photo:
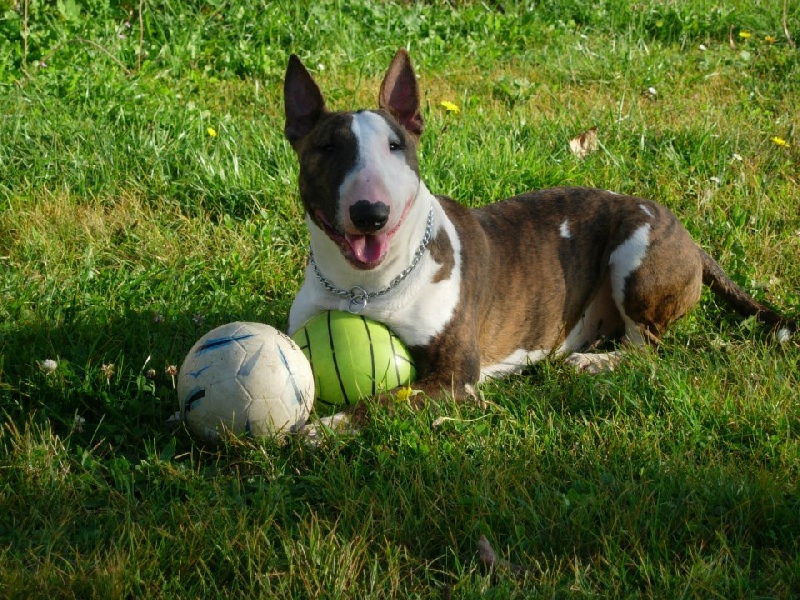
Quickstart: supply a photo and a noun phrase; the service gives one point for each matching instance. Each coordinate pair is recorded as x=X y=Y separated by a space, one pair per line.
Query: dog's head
x=358 y=169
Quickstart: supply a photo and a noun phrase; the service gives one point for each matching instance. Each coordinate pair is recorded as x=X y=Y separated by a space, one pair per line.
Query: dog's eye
x=395 y=146
x=327 y=148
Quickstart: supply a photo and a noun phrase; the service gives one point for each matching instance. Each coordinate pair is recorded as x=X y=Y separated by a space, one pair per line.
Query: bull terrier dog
x=480 y=293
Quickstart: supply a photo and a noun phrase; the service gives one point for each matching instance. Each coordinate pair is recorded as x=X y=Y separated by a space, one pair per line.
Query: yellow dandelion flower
x=403 y=394
x=212 y=132
x=779 y=141
x=450 y=107
x=770 y=39
x=745 y=35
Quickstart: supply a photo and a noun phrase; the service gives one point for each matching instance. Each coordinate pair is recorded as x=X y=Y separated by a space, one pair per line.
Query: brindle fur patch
x=442 y=252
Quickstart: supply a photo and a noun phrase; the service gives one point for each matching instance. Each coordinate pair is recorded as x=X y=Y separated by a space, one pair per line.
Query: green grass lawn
x=147 y=195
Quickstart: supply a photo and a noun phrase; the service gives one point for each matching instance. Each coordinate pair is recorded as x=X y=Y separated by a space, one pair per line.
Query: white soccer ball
x=245 y=378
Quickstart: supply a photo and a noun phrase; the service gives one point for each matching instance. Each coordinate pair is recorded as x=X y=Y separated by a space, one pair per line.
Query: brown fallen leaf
x=490 y=560
x=486 y=553
x=585 y=143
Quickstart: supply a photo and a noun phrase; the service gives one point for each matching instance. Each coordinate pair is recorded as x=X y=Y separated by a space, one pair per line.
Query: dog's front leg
x=445 y=382
x=449 y=368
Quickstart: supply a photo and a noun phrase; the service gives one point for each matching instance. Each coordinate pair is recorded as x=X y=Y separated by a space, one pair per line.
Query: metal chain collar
x=358 y=296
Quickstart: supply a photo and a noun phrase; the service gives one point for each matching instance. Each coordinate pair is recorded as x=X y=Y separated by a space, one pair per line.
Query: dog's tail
x=742 y=302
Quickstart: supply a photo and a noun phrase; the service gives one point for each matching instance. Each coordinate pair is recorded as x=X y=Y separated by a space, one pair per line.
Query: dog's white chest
x=425 y=309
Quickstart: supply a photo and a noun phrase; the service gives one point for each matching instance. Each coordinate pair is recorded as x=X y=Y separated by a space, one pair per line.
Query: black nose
x=369 y=217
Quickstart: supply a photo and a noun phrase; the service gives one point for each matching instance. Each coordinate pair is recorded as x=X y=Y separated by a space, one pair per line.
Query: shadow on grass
x=114 y=371
x=625 y=483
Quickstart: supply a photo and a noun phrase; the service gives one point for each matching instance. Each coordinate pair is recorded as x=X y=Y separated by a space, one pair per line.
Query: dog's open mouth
x=368 y=249
x=362 y=250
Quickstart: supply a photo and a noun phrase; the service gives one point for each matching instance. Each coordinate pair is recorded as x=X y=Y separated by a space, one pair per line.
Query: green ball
x=352 y=358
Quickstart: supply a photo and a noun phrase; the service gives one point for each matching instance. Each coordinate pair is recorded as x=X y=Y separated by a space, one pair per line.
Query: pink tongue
x=368 y=248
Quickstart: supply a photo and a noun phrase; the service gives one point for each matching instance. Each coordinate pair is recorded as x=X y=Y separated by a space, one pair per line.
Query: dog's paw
x=474 y=395
x=594 y=363
x=314 y=432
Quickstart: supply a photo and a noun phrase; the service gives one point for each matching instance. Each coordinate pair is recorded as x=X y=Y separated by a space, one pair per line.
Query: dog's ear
x=303 y=101
x=399 y=94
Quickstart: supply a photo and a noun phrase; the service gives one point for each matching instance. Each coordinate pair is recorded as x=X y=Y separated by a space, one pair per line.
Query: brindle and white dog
x=478 y=293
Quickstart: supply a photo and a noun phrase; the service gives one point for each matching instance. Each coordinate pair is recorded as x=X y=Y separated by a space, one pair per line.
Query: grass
x=127 y=230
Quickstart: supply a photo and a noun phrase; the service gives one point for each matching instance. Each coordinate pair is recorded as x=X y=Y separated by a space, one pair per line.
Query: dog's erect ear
x=399 y=94
x=303 y=101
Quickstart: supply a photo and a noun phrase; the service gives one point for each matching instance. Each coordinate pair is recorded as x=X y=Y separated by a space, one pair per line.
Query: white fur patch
x=564 y=230
x=624 y=260
x=783 y=335
x=646 y=210
x=513 y=363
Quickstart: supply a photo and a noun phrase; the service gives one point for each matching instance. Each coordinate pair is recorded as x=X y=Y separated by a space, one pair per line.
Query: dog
x=480 y=293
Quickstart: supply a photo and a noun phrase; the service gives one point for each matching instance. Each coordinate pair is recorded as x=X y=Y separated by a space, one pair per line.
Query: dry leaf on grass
x=585 y=143
x=490 y=560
